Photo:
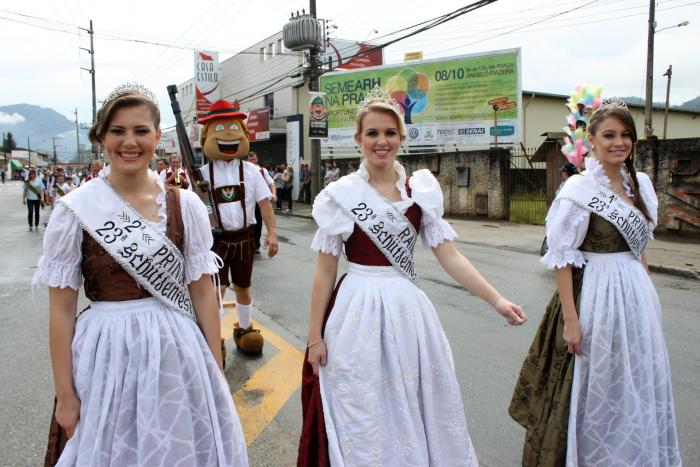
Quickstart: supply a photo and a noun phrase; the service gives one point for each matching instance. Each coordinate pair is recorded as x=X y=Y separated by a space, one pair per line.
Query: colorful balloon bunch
x=583 y=101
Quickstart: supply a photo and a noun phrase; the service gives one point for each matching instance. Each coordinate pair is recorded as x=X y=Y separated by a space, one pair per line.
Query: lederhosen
x=235 y=247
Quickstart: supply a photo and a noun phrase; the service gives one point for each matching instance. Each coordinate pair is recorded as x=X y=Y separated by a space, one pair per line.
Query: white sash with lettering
x=383 y=223
x=145 y=252
x=602 y=201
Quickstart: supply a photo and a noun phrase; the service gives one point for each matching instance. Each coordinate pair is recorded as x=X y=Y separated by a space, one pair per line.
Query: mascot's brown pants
x=237 y=250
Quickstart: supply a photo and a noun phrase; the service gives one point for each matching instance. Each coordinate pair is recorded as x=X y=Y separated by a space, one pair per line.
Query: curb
x=673 y=271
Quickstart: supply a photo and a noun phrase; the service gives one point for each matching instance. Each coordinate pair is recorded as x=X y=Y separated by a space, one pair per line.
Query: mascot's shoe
x=249 y=341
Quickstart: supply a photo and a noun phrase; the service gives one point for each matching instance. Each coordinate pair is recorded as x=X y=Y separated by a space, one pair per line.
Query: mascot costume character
x=236 y=186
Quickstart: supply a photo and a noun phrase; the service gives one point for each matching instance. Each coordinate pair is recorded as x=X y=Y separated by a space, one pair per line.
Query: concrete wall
x=484 y=196
x=674 y=167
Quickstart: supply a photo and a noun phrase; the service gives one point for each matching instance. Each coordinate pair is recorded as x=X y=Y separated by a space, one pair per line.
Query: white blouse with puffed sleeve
x=59 y=266
x=567 y=222
x=335 y=227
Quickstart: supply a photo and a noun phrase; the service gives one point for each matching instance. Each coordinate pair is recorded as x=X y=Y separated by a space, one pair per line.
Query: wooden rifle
x=199 y=185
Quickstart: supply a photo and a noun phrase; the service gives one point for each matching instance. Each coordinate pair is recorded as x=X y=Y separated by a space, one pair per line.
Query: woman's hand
x=513 y=314
x=68 y=413
x=573 y=336
x=317 y=356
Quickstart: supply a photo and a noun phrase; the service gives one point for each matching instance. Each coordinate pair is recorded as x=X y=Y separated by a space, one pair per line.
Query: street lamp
x=679 y=25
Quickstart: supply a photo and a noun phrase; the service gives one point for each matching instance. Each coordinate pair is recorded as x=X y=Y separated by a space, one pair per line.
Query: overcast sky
x=601 y=42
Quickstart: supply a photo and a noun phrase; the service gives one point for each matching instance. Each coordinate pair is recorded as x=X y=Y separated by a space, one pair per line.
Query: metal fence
x=527 y=185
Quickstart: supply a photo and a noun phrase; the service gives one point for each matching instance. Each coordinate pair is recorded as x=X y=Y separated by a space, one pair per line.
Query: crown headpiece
x=377 y=95
x=612 y=103
x=136 y=89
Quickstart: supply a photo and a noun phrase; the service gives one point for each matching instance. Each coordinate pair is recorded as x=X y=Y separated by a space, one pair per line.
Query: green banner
x=441 y=100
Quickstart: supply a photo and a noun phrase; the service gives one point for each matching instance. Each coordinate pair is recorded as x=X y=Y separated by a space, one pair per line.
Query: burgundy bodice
x=360 y=249
x=105 y=279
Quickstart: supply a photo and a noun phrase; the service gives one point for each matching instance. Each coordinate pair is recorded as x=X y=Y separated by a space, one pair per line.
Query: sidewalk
x=667 y=255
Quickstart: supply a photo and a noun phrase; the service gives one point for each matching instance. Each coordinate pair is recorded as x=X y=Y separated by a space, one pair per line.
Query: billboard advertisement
x=445 y=101
x=206 y=80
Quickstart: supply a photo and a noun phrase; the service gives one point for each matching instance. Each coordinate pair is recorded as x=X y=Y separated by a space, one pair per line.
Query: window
x=269 y=100
x=280 y=46
x=270 y=50
x=263 y=53
x=463 y=176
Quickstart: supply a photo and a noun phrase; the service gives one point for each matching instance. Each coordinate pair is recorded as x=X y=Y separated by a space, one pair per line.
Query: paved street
x=487 y=353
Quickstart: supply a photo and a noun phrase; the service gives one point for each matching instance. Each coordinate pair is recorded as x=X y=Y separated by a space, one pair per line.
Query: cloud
x=11 y=119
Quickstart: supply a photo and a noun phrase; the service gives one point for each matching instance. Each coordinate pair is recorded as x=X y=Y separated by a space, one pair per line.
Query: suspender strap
x=241 y=181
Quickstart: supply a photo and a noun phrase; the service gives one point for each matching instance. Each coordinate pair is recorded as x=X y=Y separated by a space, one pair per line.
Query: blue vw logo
x=413 y=133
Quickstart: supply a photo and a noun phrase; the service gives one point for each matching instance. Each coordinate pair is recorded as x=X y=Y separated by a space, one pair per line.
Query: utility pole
x=314 y=74
x=55 y=158
x=77 y=135
x=649 y=97
x=668 y=73
x=91 y=70
x=4 y=152
x=29 y=152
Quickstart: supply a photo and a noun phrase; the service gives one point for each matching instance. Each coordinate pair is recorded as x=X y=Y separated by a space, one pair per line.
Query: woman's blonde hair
x=382 y=107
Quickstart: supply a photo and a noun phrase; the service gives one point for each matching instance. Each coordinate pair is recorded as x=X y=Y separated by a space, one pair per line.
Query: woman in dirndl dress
x=138 y=374
x=386 y=393
x=595 y=388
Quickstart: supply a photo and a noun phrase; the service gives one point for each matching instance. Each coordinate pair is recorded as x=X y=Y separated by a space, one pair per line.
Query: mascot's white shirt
x=256 y=189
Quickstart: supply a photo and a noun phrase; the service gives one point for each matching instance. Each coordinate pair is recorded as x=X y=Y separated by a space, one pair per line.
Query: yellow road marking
x=270 y=387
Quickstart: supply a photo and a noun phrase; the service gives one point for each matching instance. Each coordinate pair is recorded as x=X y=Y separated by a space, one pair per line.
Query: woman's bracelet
x=308 y=346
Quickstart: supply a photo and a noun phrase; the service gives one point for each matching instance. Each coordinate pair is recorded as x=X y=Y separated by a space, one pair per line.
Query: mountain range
x=40 y=125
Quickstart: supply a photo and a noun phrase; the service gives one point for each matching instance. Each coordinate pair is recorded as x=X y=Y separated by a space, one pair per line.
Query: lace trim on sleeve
x=435 y=233
x=562 y=242
x=200 y=264
x=559 y=259
x=329 y=244
x=57 y=274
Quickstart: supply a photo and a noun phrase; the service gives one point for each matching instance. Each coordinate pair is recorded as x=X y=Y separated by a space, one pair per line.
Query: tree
x=9 y=144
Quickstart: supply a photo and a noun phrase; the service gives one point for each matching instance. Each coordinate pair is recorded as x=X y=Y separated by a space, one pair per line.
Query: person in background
x=161 y=166
x=176 y=175
x=327 y=174
x=305 y=179
x=351 y=168
x=3 y=175
x=278 y=179
x=94 y=169
x=253 y=159
x=32 y=195
x=60 y=188
x=288 y=177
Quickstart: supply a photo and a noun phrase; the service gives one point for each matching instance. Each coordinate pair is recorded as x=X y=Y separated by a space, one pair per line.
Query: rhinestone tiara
x=377 y=95
x=613 y=102
x=135 y=89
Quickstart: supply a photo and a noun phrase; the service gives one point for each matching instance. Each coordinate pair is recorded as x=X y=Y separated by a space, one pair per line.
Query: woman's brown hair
x=124 y=96
x=624 y=116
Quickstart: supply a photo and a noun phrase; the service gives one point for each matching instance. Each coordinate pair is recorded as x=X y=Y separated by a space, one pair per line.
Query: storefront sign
x=206 y=80
x=259 y=124
x=318 y=112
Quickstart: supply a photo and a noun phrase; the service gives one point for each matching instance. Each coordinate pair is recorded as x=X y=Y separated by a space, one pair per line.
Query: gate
x=532 y=178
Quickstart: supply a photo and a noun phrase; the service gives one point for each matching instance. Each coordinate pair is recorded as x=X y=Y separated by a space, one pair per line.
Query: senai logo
x=413 y=133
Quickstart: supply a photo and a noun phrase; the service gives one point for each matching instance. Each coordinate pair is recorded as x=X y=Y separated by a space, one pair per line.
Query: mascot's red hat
x=222 y=108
